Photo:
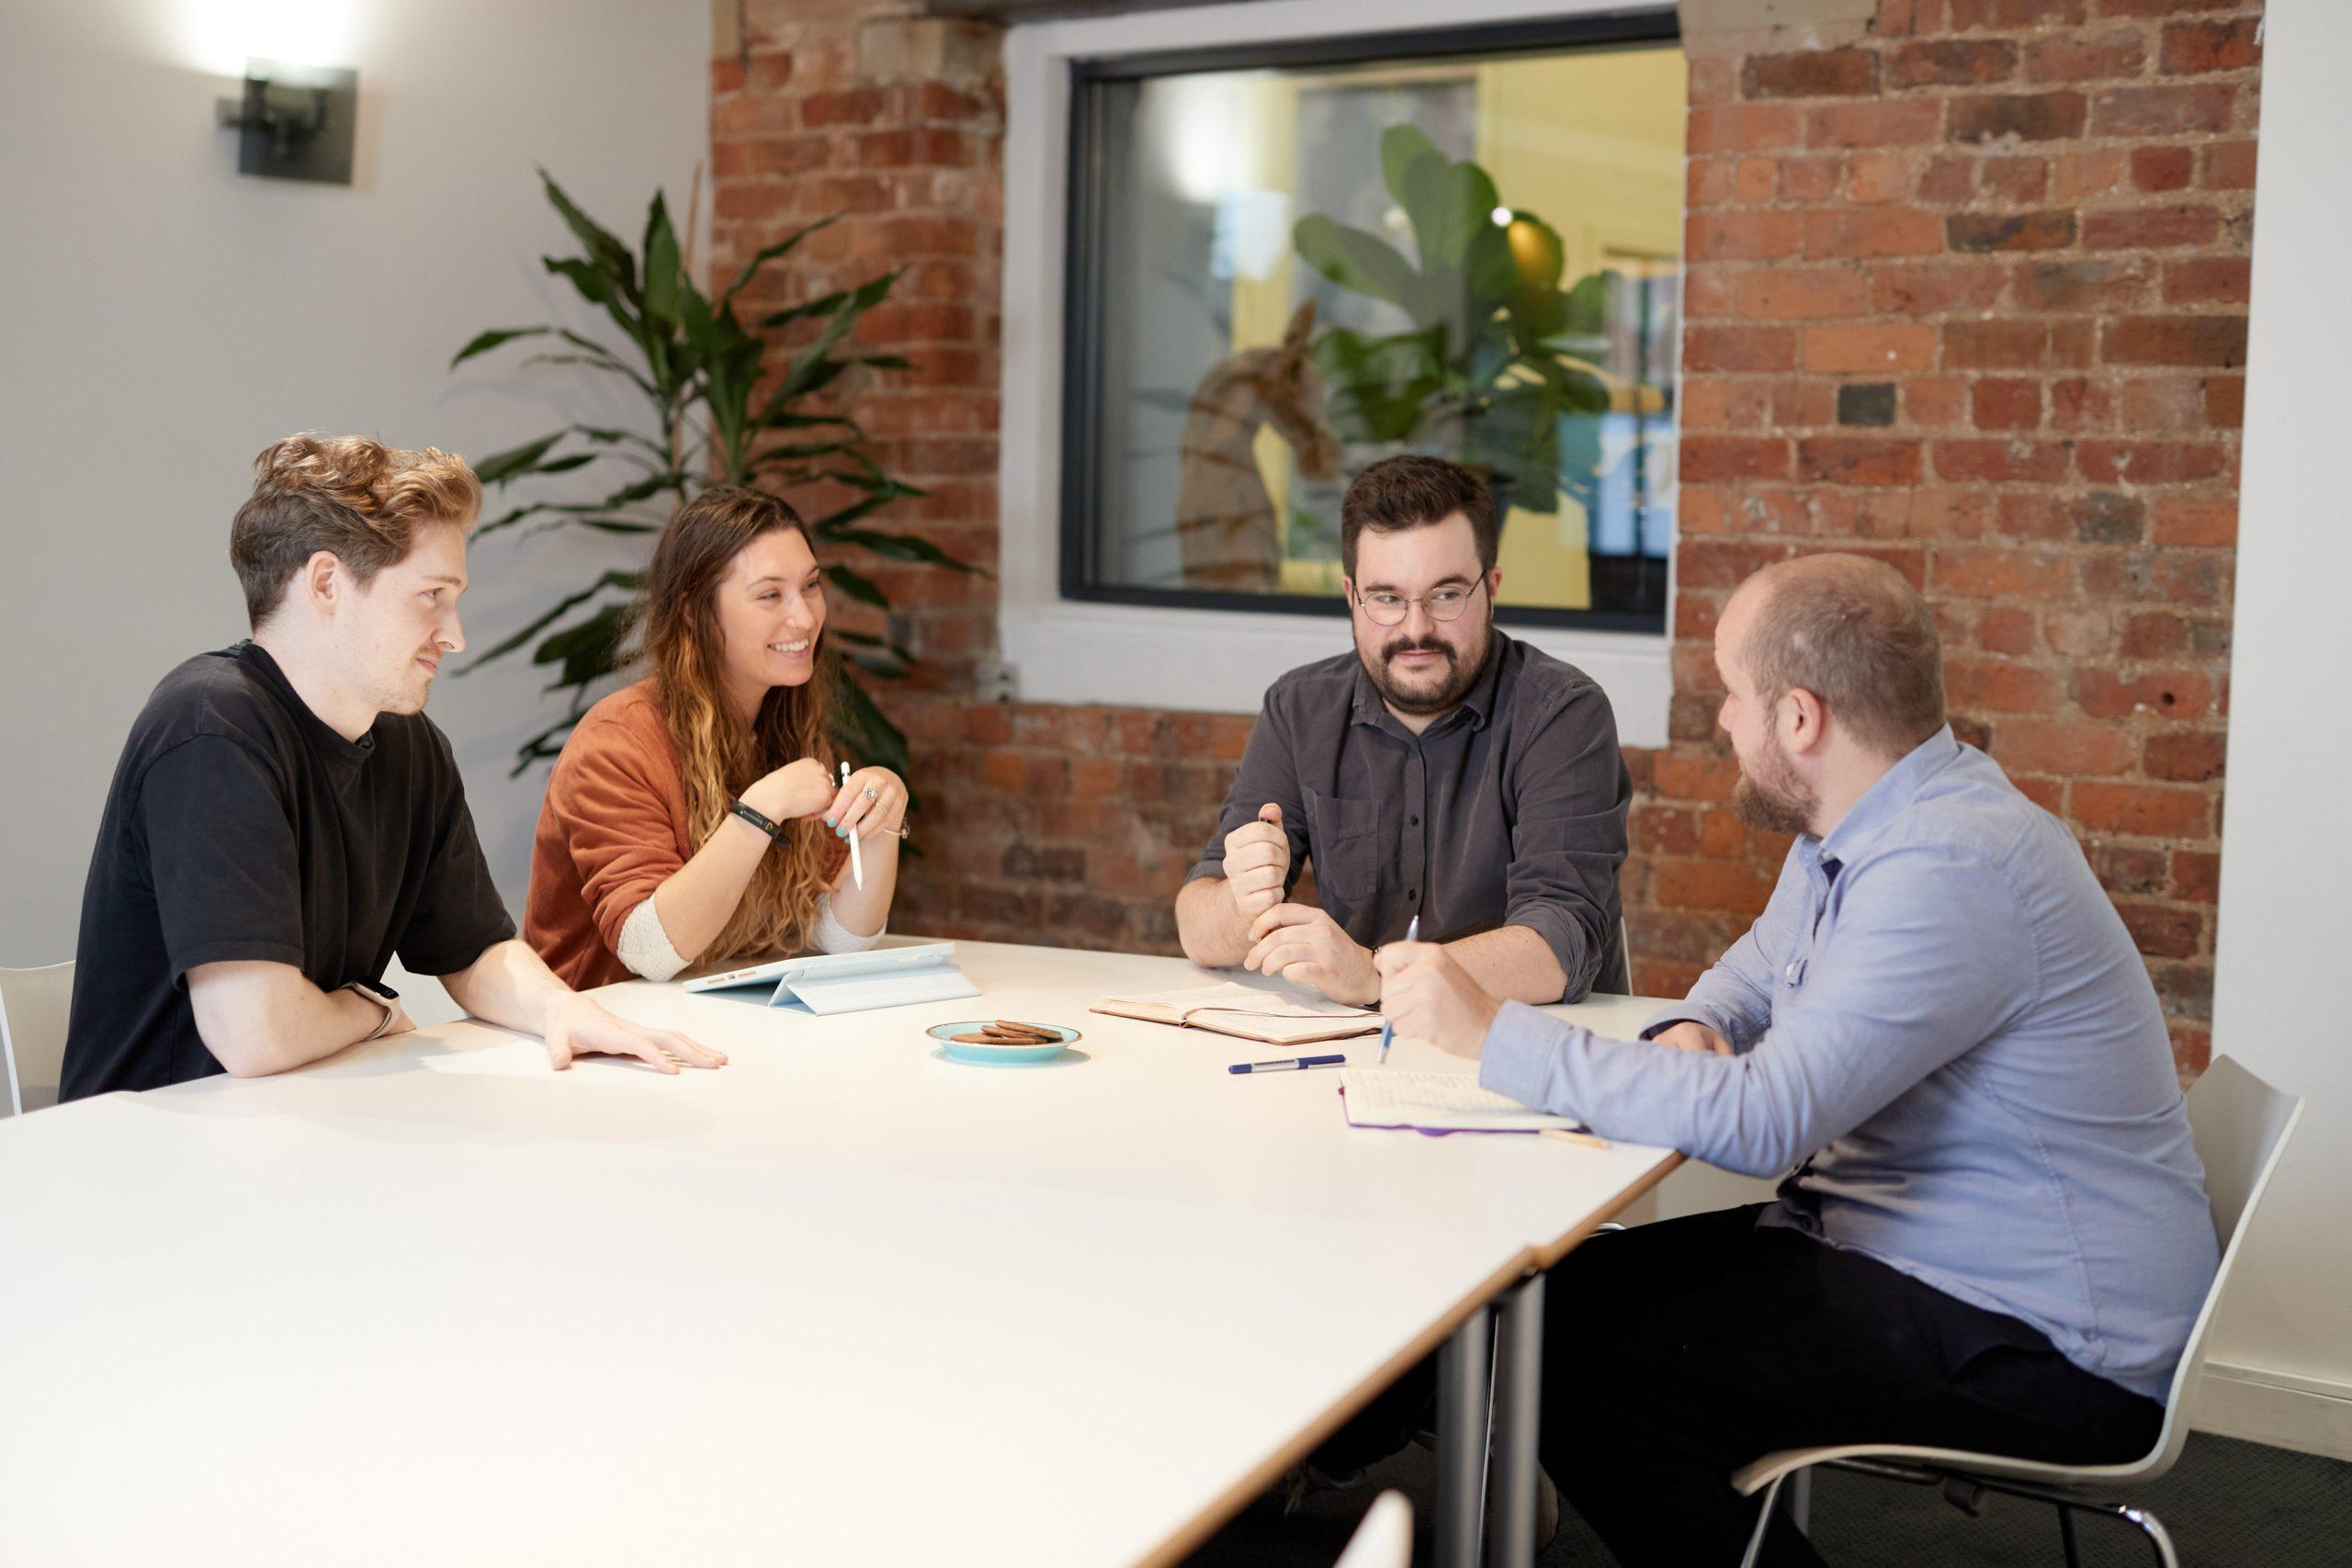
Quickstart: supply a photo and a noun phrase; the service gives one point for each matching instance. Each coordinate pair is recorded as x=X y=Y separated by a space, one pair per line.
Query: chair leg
x=1801 y=1501
x=1763 y=1524
x=2066 y=1536
x=2153 y=1528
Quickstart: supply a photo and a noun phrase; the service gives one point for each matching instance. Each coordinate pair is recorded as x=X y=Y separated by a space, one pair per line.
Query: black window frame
x=1087 y=206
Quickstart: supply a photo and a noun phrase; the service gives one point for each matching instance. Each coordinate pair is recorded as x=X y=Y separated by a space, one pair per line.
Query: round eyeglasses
x=1390 y=609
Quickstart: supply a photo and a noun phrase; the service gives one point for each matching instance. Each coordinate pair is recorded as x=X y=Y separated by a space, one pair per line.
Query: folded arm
x=258 y=1017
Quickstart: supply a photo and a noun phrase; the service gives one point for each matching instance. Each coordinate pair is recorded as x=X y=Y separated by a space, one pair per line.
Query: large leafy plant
x=727 y=403
x=1494 y=352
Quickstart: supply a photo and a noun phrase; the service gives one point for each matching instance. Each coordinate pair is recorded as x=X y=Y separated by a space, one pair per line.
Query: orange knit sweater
x=612 y=829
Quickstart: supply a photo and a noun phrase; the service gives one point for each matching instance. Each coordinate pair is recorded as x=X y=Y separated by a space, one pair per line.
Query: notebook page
x=1381 y=1096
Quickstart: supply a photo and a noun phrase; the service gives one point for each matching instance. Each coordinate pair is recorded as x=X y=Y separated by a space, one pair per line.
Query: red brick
x=1712 y=885
x=2073 y=748
x=857 y=106
x=2017 y=116
x=2174 y=694
x=1659 y=829
x=1701 y=775
x=1742 y=128
x=2196 y=520
x=2007 y=628
x=2163 y=168
x=2190 y=109
x=2046 y=231
x=1725 y=563
x=1738 y=348
x=2164 y=811
x=1743 y=236
x=1806 y=181
x=2003 y=344
x=1838 y=350
x=1811 y=74
x=2161 y=930
x=1993 y=571
x=1872 y=178
x=2010 y=15
x=2002 y=404
x=2107 y=518
x=1958 y=62
x=1936 y=289
x=2153 y=404
x=2191 y=48
x=1801 y=293
x=2148 y=462
x=2016 y=180
x=2155 y=634
x=1884 y=124
x=2209 y=280
x=2001 y=462
x=2197 y=876
x=2090 y=172
x=2128 y=869
x=2080 y=403
x=2079 y=633
x=1949 y=181
x=2000 y=685
x=2216 y=341
x=2225 y=401
x=1935 y=400
x=2081 y=57
x=1871 y=231
x=2097 y=284
x=2149 y=228
x=1724 y=460
x=2229 y=165
x=1857 y=460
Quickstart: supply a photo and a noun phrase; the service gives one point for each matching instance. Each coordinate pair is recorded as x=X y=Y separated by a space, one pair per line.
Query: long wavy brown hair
x=718 y=755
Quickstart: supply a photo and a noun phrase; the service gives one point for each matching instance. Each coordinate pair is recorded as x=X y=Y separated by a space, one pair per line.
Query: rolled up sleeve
x=1268 y=775
x=1569 y=837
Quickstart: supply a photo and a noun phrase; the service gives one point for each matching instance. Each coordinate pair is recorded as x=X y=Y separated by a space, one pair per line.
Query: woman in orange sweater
x=695 y=816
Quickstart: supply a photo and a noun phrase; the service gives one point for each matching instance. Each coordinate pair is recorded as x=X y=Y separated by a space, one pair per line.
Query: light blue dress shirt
x=1939 y=1015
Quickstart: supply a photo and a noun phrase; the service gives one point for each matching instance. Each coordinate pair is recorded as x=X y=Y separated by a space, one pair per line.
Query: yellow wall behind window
x=1593 y=144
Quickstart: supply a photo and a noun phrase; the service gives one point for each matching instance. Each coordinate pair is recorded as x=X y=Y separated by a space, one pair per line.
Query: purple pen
x=1289 y=1064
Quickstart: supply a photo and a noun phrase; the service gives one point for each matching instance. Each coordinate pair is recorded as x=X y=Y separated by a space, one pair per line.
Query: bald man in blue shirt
x=1994 y=1236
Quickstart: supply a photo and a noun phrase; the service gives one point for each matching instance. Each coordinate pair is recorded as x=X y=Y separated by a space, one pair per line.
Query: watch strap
x=773 y=829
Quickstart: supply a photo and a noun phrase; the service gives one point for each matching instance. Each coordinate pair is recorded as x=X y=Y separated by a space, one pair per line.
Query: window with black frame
x=1286 y=263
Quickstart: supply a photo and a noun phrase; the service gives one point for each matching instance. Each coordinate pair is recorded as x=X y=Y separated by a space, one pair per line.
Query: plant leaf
x=516 y=462
x=490 y=340
x=630 y=580
x=857 y=587
x=604 y=248
x=903 y=546
x=761 y=258
x=1353 y=259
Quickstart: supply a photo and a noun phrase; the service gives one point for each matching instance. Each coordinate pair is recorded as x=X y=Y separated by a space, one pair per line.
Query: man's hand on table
x=1426 y=994
x=1692 y=1035
x=578 y=1027
x=1301 y=943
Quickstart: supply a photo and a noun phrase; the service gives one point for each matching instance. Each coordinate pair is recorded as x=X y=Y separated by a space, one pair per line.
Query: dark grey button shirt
x=1507 y=811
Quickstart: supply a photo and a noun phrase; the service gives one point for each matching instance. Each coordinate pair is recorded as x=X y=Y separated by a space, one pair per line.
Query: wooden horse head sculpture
x=1224 y=520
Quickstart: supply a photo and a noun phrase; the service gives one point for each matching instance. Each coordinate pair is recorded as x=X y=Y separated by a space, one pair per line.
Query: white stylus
x=856 y=864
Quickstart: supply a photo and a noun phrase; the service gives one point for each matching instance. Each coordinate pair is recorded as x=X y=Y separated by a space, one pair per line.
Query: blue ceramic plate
x=997 y=1055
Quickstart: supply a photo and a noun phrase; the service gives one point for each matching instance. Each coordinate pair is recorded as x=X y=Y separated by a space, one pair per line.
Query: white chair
x=1384 y=1538
x=33 y=1005
x=2239 y=1125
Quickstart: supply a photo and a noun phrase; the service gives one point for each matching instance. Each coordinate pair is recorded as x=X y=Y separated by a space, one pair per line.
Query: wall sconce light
x=295 y=122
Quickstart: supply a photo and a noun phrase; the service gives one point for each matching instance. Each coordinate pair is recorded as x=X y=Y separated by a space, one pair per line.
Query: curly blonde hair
x=718 y=755
x=359 y=499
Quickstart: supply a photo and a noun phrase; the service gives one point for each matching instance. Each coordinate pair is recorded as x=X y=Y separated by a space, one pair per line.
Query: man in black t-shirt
x=285 y=820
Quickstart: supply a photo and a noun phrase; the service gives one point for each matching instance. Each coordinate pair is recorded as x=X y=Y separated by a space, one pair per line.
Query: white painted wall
x=2286 y=914
x=163 y=318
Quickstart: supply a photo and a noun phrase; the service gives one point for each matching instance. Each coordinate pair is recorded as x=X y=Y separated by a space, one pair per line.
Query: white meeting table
x=842 y=1301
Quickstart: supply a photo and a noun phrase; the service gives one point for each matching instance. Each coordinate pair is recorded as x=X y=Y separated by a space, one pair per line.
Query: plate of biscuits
x=1003 y=1040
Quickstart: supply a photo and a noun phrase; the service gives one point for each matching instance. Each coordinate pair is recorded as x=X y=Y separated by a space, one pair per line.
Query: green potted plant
x=728 y=404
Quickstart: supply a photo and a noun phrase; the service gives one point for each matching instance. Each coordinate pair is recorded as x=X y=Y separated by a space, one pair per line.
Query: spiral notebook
x=1272 y=1018
x=1437 y=1103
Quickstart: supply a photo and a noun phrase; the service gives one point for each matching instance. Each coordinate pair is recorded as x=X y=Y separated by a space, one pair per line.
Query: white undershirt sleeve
x=645 y=946
x=831 y=936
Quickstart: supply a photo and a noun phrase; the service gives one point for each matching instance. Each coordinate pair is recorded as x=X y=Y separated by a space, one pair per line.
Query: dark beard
x=1447 y=694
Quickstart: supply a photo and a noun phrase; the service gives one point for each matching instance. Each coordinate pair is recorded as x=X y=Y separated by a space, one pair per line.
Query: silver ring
x=870 y=795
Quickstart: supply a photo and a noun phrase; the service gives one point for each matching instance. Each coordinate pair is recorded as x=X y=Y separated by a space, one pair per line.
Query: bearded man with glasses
x=1442 y=770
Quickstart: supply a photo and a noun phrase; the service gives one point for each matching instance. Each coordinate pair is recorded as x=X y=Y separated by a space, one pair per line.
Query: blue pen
x=1388 y=1030
x=1290 y=1064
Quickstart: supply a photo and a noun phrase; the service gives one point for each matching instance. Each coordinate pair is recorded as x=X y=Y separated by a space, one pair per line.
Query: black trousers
x=1675 y=1353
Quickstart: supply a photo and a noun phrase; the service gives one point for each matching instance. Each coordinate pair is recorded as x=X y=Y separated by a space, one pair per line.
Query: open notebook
x=1264 y=1016
x=1437 y=1103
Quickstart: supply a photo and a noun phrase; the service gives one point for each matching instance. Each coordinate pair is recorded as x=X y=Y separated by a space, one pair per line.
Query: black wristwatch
x=773 y=829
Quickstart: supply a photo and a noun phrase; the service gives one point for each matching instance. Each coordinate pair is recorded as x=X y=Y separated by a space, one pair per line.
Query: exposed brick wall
x=1967 y=290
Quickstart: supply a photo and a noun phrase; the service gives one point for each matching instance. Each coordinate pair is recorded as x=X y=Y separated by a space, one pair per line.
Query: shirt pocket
x=1344 y=844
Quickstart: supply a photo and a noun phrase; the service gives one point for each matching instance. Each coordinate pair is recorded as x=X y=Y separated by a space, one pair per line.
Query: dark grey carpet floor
x=2228 y=1504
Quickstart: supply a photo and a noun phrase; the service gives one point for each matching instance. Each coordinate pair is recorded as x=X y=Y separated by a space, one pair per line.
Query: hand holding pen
x=1387 y=1024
